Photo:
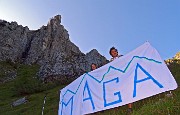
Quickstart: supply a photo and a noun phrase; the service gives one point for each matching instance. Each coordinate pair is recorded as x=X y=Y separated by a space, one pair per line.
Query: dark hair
x=93 y=64
x=112 y=48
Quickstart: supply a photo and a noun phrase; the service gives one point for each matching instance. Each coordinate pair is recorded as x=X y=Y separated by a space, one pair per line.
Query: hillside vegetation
x=26 y=84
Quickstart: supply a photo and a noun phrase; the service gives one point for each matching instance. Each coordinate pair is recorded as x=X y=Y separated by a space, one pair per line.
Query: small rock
x=19 y=102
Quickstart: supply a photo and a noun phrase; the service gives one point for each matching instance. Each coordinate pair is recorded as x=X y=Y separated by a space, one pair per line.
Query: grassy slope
x=156 y=105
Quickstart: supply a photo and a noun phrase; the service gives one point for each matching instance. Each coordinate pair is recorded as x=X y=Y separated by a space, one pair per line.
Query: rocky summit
x=49 y=47
x=177 y=56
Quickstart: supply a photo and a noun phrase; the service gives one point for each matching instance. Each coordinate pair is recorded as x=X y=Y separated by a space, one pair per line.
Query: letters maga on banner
x=138 y=75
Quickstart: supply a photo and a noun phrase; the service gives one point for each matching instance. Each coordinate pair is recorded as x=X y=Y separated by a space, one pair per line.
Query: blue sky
x=101 y=24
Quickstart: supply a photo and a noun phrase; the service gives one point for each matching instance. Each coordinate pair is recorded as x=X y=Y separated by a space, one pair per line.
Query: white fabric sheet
x=135 y=76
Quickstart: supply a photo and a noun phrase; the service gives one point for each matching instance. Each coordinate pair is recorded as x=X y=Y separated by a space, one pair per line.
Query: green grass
x=34 y=104
x=26 y=78
x=156 y=105
x=6 y=67
x=27 y=84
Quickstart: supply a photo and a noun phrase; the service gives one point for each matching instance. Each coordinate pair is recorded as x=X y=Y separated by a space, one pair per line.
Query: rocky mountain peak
x=95 y=57
x=49 y=46
x=94 y=51
x=177 y=56
x=55 y=19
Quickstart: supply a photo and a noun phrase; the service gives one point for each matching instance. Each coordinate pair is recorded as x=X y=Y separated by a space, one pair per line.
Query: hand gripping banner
x=135 y=76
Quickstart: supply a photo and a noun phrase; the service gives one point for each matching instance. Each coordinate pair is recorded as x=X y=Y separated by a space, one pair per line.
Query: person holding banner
x=93 y=66
x=114 y=53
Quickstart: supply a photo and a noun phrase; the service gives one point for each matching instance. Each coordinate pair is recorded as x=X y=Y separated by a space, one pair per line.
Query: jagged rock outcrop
x=13 y=40
x=49 y=46
x=95 y=57
x=175 y=59
x=177 y=56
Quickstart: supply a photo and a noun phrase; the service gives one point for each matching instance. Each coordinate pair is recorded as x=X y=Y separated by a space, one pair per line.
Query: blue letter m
x=66 y=104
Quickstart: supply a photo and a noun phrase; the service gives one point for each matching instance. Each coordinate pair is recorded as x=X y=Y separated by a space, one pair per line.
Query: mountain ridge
x=50 y=47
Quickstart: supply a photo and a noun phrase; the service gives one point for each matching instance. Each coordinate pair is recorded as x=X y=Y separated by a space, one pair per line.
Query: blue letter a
x=90 y=97
x=141 y=80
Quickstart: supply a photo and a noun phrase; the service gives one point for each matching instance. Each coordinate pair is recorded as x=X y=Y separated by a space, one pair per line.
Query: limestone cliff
x=49 y=46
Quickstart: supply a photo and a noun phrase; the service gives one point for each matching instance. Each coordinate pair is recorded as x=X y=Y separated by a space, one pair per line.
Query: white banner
x=135 y=76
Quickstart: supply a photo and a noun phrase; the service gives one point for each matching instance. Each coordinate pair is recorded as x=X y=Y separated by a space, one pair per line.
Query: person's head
x=93 y=66
x=113 y=52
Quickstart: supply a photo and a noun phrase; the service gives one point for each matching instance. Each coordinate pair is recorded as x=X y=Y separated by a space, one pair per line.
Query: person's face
x=93 y=67
x=114 y=53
